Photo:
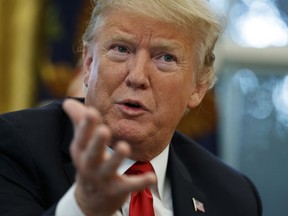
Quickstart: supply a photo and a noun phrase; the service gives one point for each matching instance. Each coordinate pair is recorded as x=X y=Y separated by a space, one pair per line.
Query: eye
x=119 y=53
x=121 y=49
x=166 y=62
x=168 y=58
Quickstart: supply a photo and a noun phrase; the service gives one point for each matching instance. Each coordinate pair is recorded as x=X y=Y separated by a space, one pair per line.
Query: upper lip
x=133 y=102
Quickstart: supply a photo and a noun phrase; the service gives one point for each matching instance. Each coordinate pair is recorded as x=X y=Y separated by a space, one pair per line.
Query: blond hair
x=193 y=16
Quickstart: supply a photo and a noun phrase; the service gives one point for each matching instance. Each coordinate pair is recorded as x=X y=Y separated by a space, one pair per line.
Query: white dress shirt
x=161 y=192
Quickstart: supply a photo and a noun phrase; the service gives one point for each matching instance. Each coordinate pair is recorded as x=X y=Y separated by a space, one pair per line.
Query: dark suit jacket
x=36 y=169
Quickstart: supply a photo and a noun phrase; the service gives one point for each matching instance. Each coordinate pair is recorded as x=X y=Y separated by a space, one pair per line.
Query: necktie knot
x=140 y=168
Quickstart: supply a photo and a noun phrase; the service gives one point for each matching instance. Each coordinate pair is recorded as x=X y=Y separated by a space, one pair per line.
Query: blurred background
x=243 y=119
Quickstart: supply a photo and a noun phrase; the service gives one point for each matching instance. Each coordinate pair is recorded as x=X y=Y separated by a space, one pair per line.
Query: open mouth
x=133 y=105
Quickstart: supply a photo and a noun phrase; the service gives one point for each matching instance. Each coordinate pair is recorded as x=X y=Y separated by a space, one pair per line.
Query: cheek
x=104 y=82
x=173 y=99
x=102 y=77
x=111 y=72
x=175 y=90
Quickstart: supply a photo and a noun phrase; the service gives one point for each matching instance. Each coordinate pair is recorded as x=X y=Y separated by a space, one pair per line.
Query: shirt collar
x=159 y=164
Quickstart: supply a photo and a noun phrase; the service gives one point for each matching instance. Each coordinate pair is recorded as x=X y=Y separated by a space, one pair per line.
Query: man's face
x=140 y=76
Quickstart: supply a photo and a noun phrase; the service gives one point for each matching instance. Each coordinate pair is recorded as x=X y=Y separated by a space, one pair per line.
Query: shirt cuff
x=68 y=205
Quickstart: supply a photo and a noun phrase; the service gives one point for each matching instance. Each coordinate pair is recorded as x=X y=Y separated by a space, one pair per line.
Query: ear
x=87 y=63
x=197 y=95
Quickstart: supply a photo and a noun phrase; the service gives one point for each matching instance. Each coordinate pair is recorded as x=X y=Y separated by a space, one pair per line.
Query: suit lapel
x=70 y=172
x=183 y=189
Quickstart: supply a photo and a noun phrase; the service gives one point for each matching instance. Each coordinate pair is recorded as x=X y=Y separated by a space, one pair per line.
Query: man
x=146 y=64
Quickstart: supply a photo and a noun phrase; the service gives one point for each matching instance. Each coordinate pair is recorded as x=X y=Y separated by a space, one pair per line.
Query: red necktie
x=141 y=202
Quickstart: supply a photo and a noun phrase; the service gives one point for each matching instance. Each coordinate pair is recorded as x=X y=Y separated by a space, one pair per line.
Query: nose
x=138 y=74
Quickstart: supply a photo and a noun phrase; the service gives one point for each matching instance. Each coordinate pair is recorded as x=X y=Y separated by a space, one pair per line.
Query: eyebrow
x=164 y=44
x=123 y=37
x=168 y=45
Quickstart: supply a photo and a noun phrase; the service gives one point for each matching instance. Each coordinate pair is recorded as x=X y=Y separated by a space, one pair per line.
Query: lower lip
x=132 y=111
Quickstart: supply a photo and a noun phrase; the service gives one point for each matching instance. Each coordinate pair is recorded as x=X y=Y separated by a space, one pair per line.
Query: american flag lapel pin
x=198 y=206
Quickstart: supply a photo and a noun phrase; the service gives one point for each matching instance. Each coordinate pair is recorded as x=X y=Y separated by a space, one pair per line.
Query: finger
x=74 y=109
x=138 y=182
x=93 y=156
x=82 y=135
x=77 y=111
x=109 y=168
x=84 y=130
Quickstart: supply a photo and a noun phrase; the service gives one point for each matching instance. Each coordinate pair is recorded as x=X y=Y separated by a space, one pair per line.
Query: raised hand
x=100 y=190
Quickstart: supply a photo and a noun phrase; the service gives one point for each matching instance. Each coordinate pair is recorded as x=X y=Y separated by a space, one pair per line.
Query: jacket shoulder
x=33 y=114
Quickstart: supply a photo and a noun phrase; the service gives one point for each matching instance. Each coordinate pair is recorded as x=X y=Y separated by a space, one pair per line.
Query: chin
x=133 y=134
